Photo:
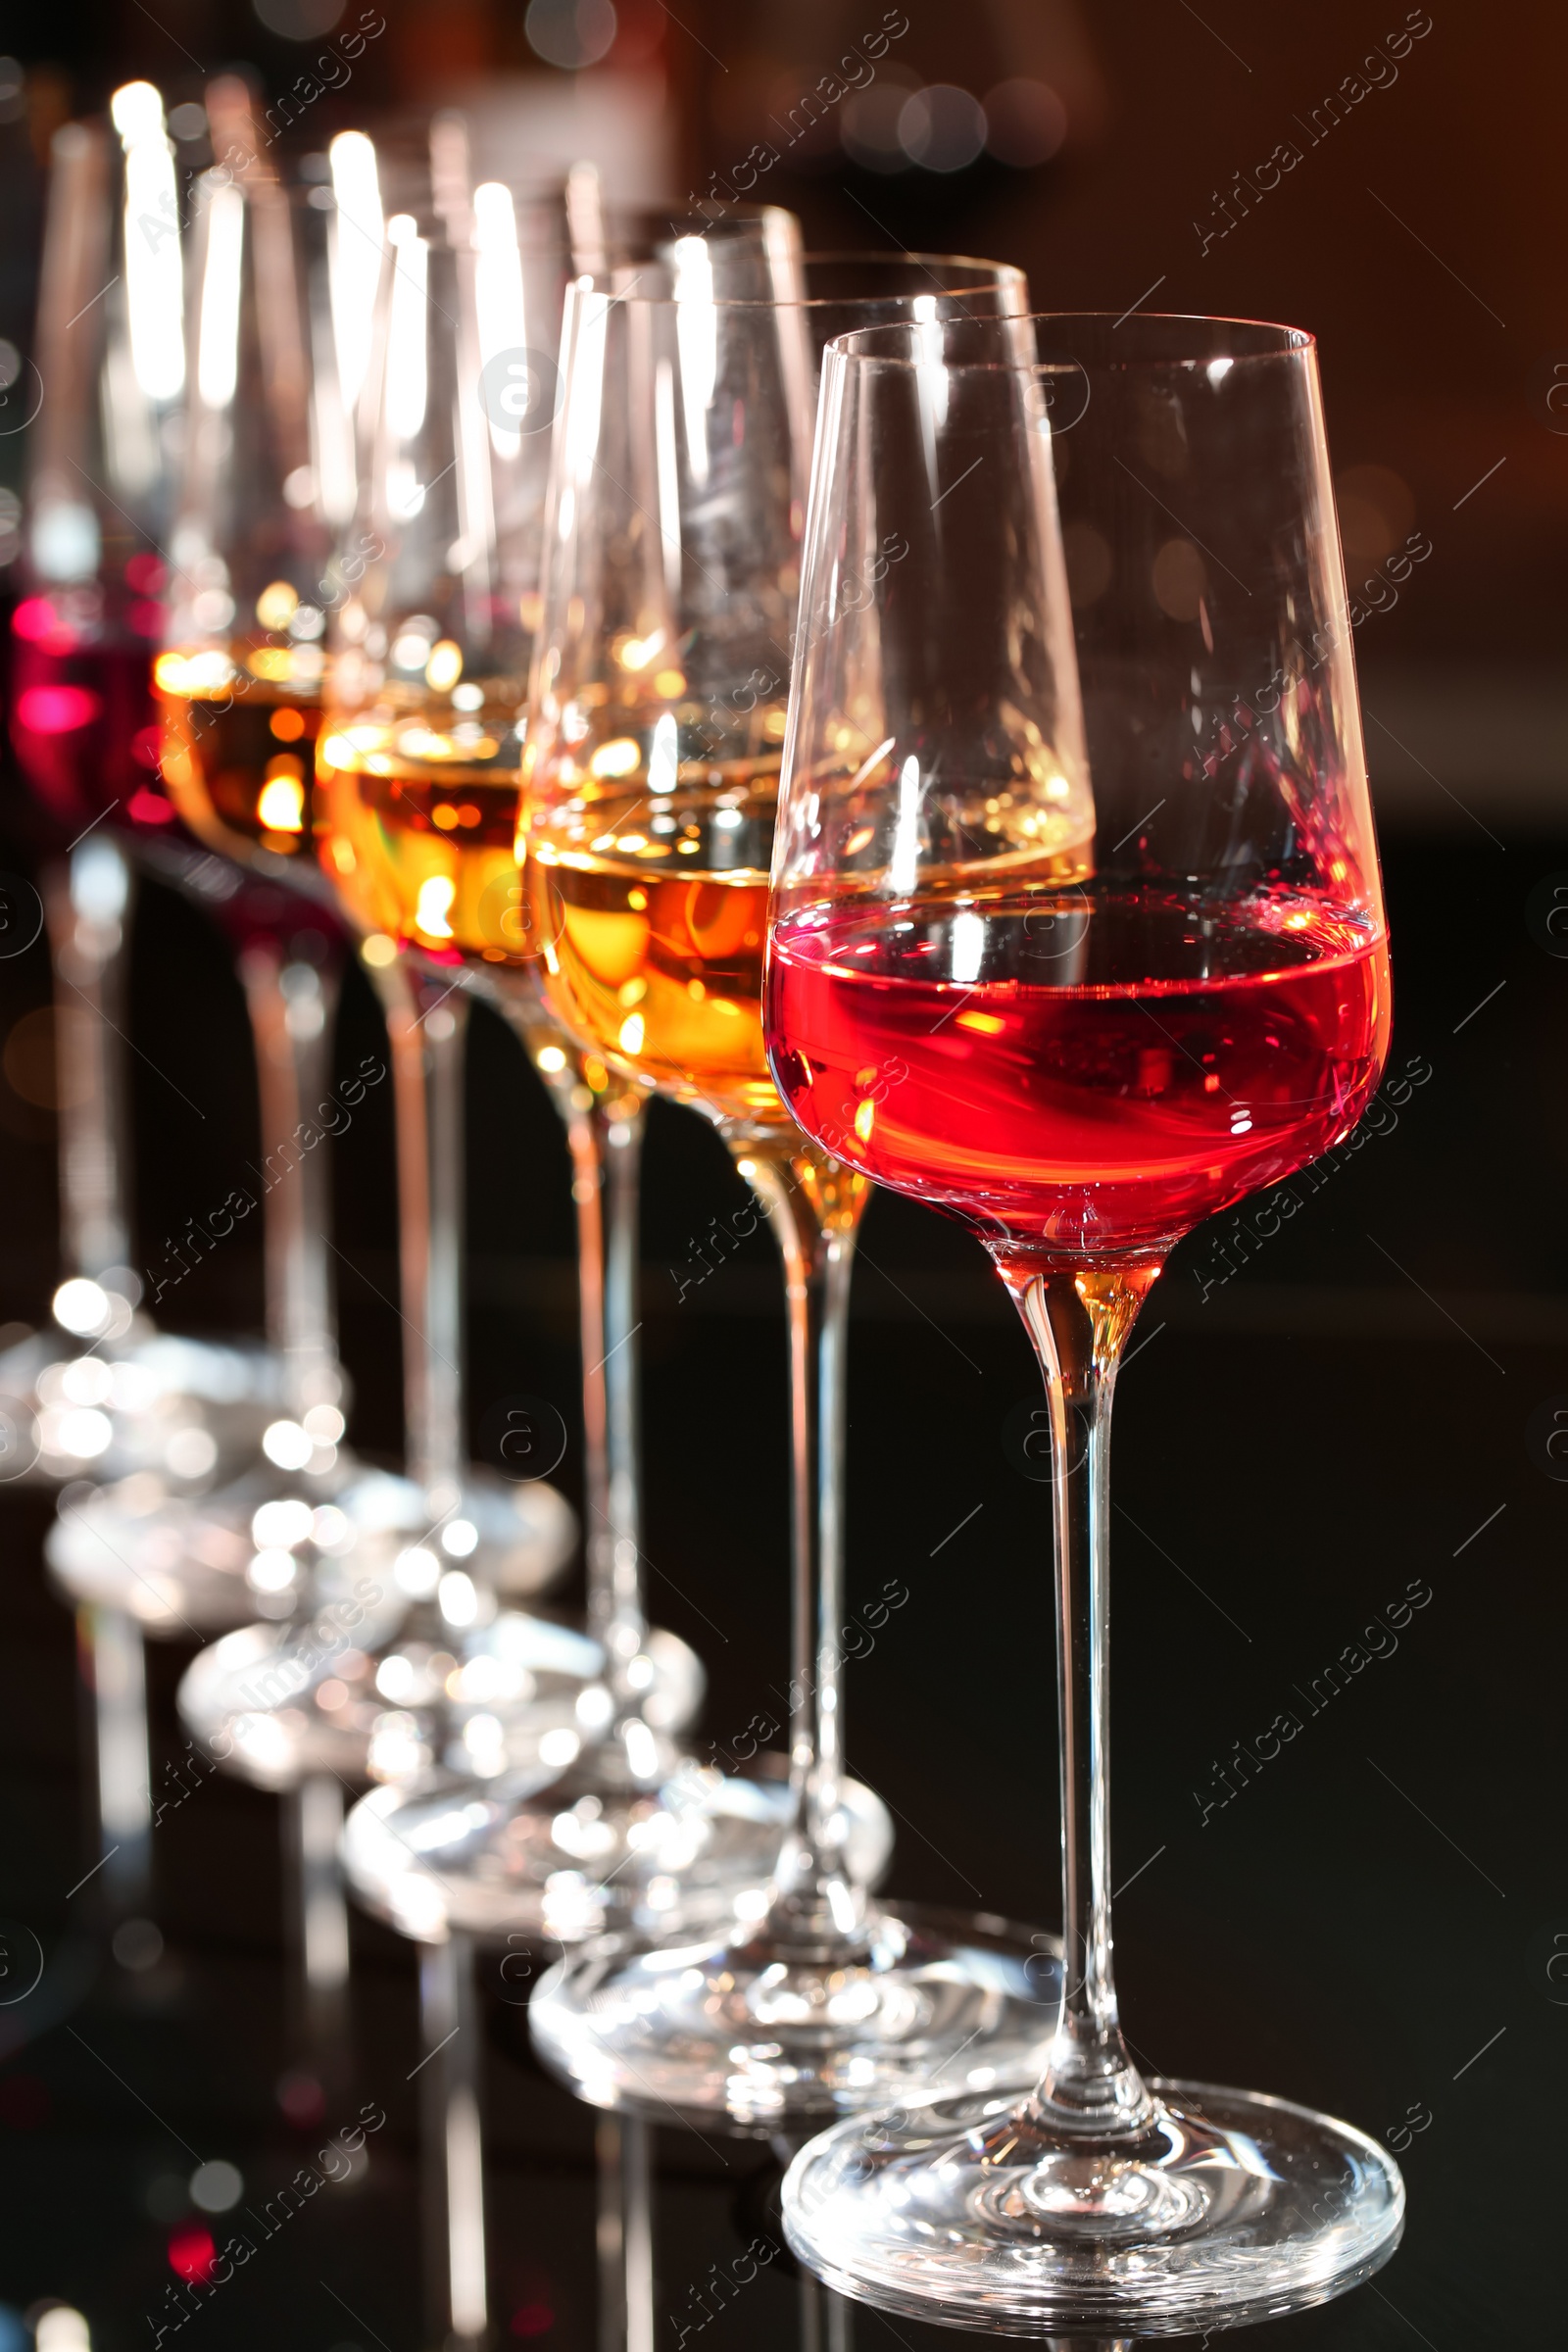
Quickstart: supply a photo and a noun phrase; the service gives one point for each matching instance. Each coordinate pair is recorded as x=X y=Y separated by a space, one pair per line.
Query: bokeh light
x=298 y=19
x=943 y=127
x=571 y=34
x=192 y=2252
x=1025 y=123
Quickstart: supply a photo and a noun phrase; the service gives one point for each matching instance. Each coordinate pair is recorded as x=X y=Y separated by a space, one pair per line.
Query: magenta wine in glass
x=99 y=1393
x=1077 y=933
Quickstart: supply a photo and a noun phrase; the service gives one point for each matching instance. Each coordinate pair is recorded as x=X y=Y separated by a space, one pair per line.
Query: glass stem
x=89 y=907
x=290 y=1002
x=826 y=2323
x=603 y=1123
x=626 y=1624
x=313 y=1826
x=814 y=1207
x=110 y=1646
x=426 y=1022
x=604 y=1137
x=623 y=2147
x=1078 y=1319
x=451 y=2131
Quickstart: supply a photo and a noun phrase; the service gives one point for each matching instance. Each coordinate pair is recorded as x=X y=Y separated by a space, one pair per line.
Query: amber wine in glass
x=419 y=808
x=657 y=724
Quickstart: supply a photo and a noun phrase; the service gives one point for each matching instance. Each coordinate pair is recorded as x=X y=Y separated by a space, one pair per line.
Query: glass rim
x=269 y=182
x=919 y=260
x=985 y=274
x=668 y=208
x=1288 y=343
x=538 y=212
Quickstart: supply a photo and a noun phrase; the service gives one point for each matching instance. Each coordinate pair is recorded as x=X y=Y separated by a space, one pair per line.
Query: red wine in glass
x=1081 y=1066
x=1011 y=1058
x=83 y=722
x=88 y=735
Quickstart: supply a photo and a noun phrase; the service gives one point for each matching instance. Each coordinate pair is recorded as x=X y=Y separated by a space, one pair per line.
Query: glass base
x=1231 y=2208
x=275 y=1704
x=919 y=2000
x=183 y=1565
x=135 y=1546
x=589 y=1853
x=180 y=1565
x=363 y=1690
x=134 y=1401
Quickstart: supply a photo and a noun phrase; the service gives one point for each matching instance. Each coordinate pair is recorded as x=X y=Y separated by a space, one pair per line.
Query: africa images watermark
x=325 y=74
x=856 y=1640
x=333 y=71
x=1229 y=729
x=759 y=2254
x=1378 y=1639
x=184 y=2298
x=1262 y=1222
x=292 y=1669
x=856 y=71
x=331 y=1117
x=1378 y=71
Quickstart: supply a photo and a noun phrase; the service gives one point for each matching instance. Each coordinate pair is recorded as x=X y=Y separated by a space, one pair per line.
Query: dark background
x=1348 y=1415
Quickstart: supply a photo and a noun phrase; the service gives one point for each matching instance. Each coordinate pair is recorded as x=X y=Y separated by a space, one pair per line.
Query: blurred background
x=1315 y=1420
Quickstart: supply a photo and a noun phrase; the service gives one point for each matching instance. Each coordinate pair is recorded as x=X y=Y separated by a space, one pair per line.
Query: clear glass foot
x=915 y=1999
x=373 y=1687
x=966 y=2211
x=353 y=1695
x=593 y=1852
x=108 y=1396
x=259 y=1546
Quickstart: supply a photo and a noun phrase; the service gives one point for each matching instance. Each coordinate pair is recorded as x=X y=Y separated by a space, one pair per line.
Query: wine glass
x=1114 y=931
x=418 y=766
x=268 y=481
x=287 y=273
x=489 y=265
x=655 y=725
x=281 y=270
x=420 y=808
x=104 y=1394
x=102 y=463
x=289 y=277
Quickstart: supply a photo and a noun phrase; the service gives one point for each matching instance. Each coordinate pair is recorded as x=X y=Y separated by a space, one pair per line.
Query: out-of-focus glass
x=280 y=275
x=656 y=727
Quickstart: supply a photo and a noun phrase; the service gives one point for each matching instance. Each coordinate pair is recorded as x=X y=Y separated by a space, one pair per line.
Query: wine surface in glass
x=239 y=751
x=656 y=909
x=1094 y=1070
x=84 y=725
x=419 y=814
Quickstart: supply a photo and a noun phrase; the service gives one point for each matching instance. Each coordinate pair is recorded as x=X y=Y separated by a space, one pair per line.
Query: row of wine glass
x=530 y=609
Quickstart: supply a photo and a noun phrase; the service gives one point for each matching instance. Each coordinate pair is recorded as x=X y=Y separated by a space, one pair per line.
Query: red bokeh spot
x=147 y=746
x=146 y=617
x=639 y=35
x=191 y=2252
x=145 y=574
x=532 y=2319
x=301 y=2096
x=35 y=618
x=57 y=709
x=24 y=2102
x=146 y=807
